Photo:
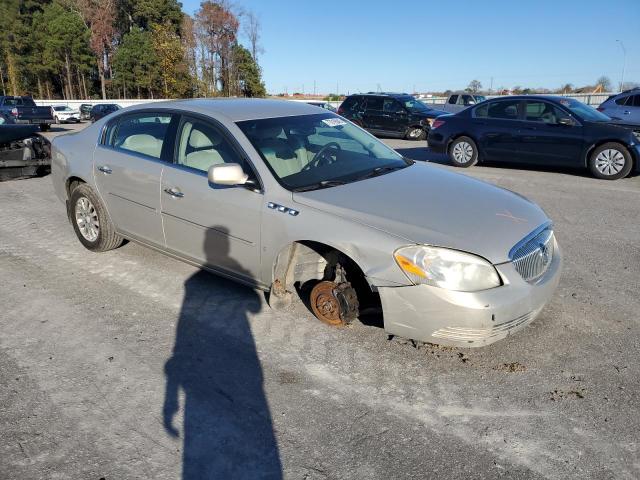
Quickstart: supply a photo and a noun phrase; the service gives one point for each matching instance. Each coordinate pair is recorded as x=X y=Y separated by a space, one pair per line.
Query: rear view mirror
x=566 y=121
x=227 y=174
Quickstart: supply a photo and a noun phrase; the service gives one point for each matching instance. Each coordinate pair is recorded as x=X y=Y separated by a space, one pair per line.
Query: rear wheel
x=415 y=133
x=610 y=161
x=91 y=222
x=463 y=152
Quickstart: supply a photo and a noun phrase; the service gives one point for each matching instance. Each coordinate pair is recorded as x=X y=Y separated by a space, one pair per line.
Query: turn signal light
x=437 y=123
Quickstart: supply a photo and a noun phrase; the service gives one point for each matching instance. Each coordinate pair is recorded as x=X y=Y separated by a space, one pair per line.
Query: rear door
x=127 y=170
x=631 y=110
x=543 y=139
x=373 y=115
x=213 y=225
x=496 y=123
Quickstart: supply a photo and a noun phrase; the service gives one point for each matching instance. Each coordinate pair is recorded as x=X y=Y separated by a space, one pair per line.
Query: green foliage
x=250 y=83
x=132 y=48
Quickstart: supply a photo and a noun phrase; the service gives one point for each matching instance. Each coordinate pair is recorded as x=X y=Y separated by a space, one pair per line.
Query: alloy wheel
x=87 y=219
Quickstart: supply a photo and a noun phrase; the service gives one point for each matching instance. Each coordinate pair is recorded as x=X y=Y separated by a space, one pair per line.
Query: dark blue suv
x=554 y=131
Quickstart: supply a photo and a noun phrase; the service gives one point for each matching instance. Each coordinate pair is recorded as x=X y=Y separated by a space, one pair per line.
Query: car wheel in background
x=463 y=152
x=57 y=121
x=416 y=133
x=44 y=127
x=610 y=161
x=91 y=222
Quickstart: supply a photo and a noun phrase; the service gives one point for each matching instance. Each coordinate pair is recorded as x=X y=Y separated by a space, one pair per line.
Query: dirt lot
x=108 y=369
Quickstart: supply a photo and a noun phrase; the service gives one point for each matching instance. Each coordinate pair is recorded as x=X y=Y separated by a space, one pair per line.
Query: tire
x=101 y=237
x=610 y=161
x=57 y=121
x=44 y=127
x=416 y=133
x=463 y=152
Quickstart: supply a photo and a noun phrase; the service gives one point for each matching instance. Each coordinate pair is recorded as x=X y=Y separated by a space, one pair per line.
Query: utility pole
x=314 y=88
x=491 y=86
x=624 y=63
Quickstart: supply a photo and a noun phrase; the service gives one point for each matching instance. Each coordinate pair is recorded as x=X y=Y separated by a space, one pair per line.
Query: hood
x=425 y=204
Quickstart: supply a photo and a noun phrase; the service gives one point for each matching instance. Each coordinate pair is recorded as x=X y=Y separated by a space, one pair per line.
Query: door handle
x=627 y=112
x=174 y=192
x=105 y=169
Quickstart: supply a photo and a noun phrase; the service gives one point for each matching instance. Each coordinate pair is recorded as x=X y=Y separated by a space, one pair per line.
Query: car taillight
x=600 y=109
x=14 y=112
x=340 y=110
x=436 y=123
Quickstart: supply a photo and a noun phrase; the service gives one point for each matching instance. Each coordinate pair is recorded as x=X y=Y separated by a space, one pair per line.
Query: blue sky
x=428 y=45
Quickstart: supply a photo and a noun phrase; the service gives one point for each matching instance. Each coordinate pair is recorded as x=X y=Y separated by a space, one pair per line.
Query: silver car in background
x=292 y=199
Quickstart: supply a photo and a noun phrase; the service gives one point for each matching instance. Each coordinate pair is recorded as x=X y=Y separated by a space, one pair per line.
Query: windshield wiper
x=380 y=170
x=319 y=185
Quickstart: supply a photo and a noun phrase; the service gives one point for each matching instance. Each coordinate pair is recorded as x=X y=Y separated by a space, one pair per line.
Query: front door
x=217 y=226
x=373 y=114
x=545 y=140
x=127 y=169
x=394 y=117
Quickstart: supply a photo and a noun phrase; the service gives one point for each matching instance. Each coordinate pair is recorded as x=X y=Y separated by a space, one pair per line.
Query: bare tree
x=217 y=31
x=98 y=16
x=251 y=28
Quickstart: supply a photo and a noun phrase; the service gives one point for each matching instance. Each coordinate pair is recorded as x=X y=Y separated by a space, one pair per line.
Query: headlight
x=445 y=268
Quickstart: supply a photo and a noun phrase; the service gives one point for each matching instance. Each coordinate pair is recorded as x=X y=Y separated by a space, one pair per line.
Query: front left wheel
x=91 y=221
x=610 y=161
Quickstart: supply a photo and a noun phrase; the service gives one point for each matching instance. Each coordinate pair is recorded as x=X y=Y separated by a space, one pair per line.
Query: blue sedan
x=552 y=131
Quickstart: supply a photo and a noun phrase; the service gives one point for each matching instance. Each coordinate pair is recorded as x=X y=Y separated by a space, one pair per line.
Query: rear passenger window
x=506 y=110
x=636 y=101
x=622 y=100
x=374 y=103
x=453 y=99
x=142 y=133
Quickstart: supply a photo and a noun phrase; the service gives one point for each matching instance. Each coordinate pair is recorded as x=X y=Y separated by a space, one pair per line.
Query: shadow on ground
x=228 y=432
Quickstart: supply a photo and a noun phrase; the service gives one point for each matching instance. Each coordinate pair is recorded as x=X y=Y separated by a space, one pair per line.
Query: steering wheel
x=323 y=156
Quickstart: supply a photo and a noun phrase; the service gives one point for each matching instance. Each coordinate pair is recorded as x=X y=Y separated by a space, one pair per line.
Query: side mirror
x=227 y=174
x=566 y=121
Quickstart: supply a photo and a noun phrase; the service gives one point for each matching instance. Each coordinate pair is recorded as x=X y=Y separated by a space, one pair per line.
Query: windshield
x=412 y=104
x=479 y=98
x=61 y=109
x=317 y=151
x=584 y=111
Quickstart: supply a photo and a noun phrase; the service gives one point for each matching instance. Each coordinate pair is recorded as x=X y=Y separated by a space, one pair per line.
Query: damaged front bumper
x=468 y=319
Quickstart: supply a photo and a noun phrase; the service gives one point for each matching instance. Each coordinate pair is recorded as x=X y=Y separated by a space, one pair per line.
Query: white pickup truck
x=460 y=100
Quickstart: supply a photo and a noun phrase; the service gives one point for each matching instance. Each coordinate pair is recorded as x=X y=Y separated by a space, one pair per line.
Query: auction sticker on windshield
x=333 y=122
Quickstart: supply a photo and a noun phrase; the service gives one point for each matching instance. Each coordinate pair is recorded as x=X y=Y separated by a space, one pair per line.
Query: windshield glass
x=584 y=111
x=316 y=151
x=412 y=104
x=479 y=98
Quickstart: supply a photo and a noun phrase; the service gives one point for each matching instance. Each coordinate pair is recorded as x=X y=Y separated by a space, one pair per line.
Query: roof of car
x=381 y=94
x=237 y=109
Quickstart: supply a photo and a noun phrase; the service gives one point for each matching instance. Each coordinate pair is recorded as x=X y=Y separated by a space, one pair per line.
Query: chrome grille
x=532 y=257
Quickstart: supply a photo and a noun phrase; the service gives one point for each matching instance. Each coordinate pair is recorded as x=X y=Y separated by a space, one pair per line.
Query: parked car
x=458 y=101
x=321 y=104
x=64 y=114
x=623 y=108
x=278 y=196
x=389 y=114
x=23 y=152
x=85 y=111
x=102 y=110
x=24 y=110
x=554 y=131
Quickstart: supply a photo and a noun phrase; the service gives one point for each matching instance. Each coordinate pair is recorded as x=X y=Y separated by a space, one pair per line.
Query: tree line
x=69 y=49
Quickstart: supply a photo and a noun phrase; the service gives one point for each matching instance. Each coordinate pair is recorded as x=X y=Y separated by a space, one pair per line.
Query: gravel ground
x=132 y=365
